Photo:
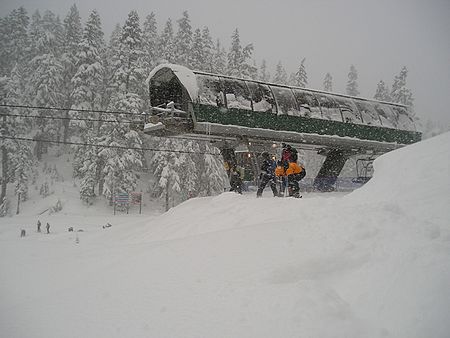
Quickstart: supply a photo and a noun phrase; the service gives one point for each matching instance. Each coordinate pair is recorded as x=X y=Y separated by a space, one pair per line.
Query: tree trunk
x=4 y=172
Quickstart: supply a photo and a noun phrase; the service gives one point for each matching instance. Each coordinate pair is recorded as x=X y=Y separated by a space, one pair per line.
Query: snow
x=372 y=263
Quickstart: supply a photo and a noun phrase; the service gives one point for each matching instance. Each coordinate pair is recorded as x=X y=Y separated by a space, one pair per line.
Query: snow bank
x=373 y=263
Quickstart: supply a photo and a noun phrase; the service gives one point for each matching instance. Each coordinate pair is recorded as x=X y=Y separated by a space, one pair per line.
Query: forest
x=64 y=84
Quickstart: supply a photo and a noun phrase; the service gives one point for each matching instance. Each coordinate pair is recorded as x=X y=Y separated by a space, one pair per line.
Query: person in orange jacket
x=295 y=174
x=290 y=171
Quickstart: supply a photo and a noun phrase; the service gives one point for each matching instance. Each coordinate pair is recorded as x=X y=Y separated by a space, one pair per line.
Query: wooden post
x=140 y=203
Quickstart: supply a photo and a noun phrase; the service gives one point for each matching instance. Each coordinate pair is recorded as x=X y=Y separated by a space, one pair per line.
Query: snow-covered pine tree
x=352 y=84
x=213 y=176
x=87 y=81
x=13 y=39
x=88 y=84
x=208 y=50
x=382 y=92
x=400 y=93
x=108 y=61
x=150 y=42
x=166 y=170
x=88 y=171
x=238 y=58
x=188 y=158
x=46 y=80
x=280 y=74
x=22 y=165
x=219 y=58
x=124 y=158
x=301 y=78
x=15 y=156
x=166 y=43
x=197 y=51
x=183 y=40
x=69 y=59
x=235 y=58
x=328 y=83
x=264 y=75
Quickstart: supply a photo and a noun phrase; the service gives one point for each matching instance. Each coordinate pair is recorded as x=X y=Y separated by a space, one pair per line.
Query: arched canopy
x=222 y=105
x=169 y=72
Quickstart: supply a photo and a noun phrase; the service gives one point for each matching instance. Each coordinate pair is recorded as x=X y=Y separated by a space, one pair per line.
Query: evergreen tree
x=89 y=170
x=183 y=41
x=13 y=39
x=382 y=92
x=400 y=93
x=122 y=162
x=166 y=44
x=22 y=166
x=280 y=74
x=264 y=75
x=109 y=58
x=328 y=83
x=14 y=156
x=352 y=84
x=188 y=161
x=213 y=176
x=150 y=42
x=301 y=78
x=69 y=59
x=88 y=80
x=166 y=170
x=46 y=81
x=208 y=50
x=87 y=94
x=219 y=59
x=197 y=51
x=238 y=56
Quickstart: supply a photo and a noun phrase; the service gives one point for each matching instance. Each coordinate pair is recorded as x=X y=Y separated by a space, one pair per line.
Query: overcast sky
x=378 y=36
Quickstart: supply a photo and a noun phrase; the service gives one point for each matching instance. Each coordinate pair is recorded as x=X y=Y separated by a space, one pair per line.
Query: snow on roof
x=185 y=75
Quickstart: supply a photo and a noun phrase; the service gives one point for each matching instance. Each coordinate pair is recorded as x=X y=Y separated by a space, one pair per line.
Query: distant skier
x=39 y=226
x=48 y=228
x=267 y=175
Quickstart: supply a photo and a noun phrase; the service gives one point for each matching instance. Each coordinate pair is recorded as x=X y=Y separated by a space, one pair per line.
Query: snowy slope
x=373 y=263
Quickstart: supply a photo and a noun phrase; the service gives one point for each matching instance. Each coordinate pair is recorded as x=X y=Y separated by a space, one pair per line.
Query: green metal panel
x=250 y=119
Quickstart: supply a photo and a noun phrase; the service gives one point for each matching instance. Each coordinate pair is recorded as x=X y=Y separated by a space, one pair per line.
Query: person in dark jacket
x=267 y=175
x=236 y=176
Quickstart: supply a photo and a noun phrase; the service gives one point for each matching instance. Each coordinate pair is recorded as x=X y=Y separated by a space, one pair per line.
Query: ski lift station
x=233 y=111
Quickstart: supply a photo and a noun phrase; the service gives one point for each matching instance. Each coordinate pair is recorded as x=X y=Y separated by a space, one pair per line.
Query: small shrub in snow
x=56 y=208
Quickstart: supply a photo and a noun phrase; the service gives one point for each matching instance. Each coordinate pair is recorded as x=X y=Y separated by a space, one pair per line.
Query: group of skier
x=286 y=171
x=283 y=174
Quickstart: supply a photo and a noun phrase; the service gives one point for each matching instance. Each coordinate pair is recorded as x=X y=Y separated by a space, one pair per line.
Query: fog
x=378 y=37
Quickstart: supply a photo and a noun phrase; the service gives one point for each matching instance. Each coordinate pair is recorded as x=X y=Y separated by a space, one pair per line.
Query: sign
x=136 y=197
x=122 y=198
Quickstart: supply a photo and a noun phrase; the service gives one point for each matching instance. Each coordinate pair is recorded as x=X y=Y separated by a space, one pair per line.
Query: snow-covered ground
x=372 y=263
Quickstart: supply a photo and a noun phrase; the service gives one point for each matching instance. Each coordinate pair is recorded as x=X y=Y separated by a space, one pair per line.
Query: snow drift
x=373 y=263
